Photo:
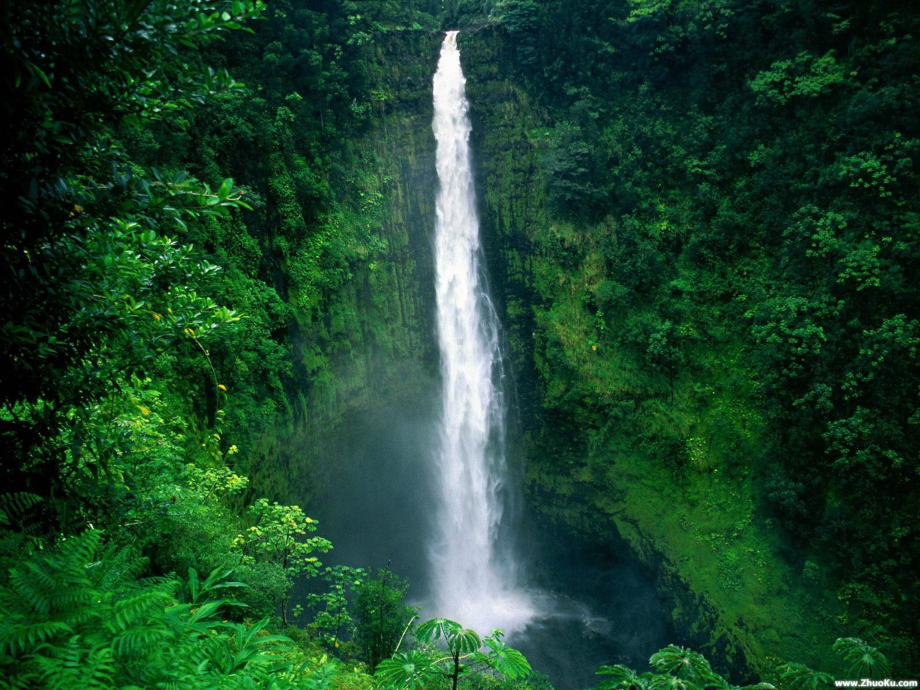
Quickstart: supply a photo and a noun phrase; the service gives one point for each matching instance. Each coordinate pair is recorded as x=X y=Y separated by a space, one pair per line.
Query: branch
x=405 y=630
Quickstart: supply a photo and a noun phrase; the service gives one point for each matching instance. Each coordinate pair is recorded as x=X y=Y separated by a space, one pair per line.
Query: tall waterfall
x=472 y=582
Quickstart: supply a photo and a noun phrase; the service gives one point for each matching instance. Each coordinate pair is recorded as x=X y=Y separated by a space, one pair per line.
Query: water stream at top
x=473 y=580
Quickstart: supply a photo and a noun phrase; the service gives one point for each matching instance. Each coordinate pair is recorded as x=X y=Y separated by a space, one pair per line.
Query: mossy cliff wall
x=366 y=341
x=616 y=452
x=664 y=461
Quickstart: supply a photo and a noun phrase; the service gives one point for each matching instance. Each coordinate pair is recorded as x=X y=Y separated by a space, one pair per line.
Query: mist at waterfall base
x=594 y=604
x=430 y=494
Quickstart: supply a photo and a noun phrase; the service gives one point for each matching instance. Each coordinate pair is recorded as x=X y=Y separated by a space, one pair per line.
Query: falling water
x=473 y=582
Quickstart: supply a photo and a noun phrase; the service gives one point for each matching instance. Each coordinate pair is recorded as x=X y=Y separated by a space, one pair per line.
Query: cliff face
x=368 y=344
x=600 y=432
x=664 y=460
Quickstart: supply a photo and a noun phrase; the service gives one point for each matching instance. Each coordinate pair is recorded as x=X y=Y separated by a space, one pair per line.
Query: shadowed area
x=596 y=606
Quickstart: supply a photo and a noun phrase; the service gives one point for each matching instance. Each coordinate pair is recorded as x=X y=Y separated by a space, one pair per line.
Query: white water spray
x=472 y=583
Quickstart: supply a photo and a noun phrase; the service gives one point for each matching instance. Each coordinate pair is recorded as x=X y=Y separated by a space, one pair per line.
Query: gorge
x=595 y=322
x=475 y=573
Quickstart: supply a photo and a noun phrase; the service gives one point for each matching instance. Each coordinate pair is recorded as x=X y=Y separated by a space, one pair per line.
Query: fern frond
x=14 y=505
x=30 y=591
x=81 y=549
x=100 y=669
x=117 y=565
x=40 y=576
x=72 y=598
x=141 y=606
x=17 y=638
x=139 y=640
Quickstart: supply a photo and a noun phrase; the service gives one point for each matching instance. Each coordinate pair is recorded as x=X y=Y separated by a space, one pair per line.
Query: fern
x=19 y=637
x=137 y=642
x=116 y=565
x=73 y=666
x=30 y=591
x=77 y=616
x=16 y=505
x=39 y=576
x=141 y=606
x=72 y=603
x=78 y=552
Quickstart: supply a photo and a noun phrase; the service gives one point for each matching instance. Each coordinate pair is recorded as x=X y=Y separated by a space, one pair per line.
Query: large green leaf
x=405 y=671
x=683 y=663
x=435 y=629
x=620 y=677
x=459 y=640
x=863 y=660
x=463 y=641
x=507 y=661
x=800 y=677
x=663 y=681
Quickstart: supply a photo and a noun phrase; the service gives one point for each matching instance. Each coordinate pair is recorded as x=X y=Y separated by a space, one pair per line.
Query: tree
x=409 y=670
x=279 y=535
x=332 y=618
x=97 y=284
x=382 y=616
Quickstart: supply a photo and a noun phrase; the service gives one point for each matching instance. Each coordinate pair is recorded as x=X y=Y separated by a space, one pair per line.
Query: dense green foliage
x=705 y=218
x=678 y=667
x=121 y=262
x=79 y=617
x=129 y=389
x=382 y=618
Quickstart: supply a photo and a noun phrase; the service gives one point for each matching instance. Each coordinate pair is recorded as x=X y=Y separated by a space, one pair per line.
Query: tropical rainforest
x=701 y=221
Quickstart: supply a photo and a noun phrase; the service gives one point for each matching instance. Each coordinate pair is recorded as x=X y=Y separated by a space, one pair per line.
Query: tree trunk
x=284 y=599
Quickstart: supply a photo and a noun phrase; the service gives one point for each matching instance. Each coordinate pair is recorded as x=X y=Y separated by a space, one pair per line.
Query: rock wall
x=372 y=343
x=590 y=467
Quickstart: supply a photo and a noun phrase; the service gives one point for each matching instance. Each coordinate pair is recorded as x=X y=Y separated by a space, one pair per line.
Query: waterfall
x=473 y=582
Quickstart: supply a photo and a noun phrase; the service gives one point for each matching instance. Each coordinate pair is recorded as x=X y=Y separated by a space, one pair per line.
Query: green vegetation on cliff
x=701 y=220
